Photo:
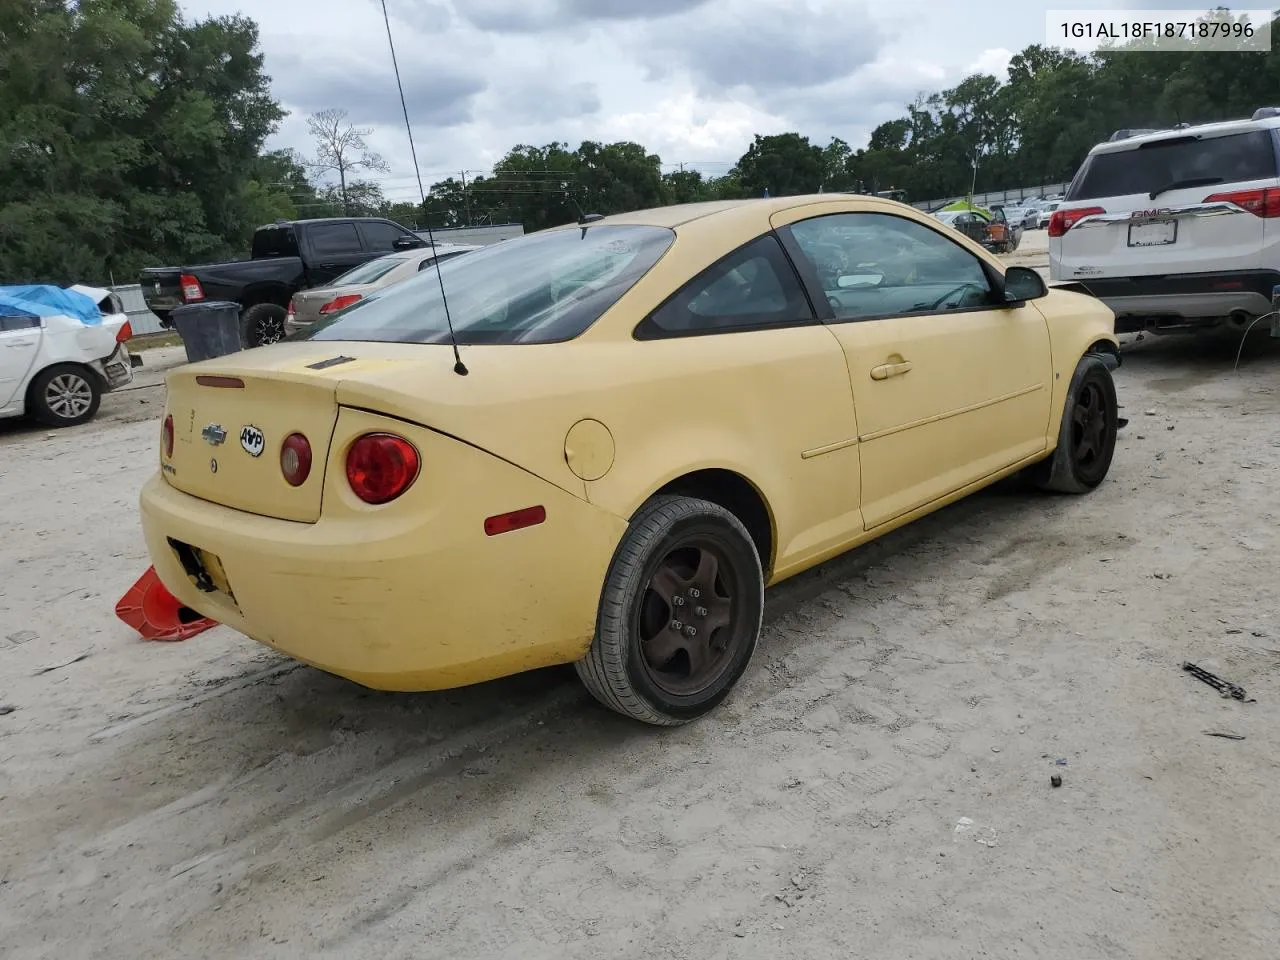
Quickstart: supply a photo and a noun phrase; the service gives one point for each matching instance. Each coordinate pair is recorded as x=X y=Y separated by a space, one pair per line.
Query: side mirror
x=1022 y=284
x=407 y=243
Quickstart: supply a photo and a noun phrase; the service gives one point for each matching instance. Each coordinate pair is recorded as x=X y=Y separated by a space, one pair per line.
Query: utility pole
x=466 y=197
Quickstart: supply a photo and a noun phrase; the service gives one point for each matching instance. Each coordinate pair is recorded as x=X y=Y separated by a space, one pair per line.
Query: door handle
x=887 y=370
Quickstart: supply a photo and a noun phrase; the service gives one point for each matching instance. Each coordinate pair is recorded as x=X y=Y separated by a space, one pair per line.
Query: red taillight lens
x=192 y=292
x=340 y=303
x=166 y=436
x=381 y=466
x=295 y=459
x=1064 y=220
x=1261 y=203
x=516 y=520
x=291 y=311
x=124 y=333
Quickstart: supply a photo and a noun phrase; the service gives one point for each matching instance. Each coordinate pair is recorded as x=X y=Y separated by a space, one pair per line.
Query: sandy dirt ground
x=878 y=786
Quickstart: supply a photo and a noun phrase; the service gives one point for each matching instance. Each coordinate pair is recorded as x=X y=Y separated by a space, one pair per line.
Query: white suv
x=1176 y=229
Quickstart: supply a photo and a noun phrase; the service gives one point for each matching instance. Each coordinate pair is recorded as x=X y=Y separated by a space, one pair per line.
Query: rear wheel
x=679 y=614
x=65 y=396
x=261 y=324
x=1087 y=436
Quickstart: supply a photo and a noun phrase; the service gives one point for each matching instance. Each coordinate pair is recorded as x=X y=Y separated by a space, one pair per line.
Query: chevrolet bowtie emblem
x=214 y=434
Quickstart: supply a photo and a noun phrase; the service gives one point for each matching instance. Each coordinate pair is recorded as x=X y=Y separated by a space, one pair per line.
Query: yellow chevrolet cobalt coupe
x=648 y=418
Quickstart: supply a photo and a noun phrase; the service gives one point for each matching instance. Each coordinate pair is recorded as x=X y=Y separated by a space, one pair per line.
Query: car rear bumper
x=116 y=370
x=1188 y=299
x=414 y=599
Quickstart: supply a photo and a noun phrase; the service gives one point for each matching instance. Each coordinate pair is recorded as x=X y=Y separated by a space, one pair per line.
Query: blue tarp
x=42 y=300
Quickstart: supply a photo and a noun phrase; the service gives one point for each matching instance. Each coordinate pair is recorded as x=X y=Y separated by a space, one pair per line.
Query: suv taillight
x=1064 y=220
x=1261 y=203
x=381 y=466
x=192 y=291
x=339 y=303
x=166 y=436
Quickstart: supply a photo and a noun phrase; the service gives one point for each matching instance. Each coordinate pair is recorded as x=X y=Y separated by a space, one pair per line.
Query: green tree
x=785 y=164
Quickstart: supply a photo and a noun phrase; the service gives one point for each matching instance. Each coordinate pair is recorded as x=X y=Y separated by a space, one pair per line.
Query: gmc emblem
x=1146 y=214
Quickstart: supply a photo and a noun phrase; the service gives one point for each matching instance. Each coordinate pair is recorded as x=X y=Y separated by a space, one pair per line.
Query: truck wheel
x=679 y=614
x=261 y=324
x=1087 y=436
x=64 y=395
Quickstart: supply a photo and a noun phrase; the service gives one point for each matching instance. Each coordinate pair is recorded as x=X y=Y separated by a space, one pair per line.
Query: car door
x=381 y=236
x=951 y=384
x=743 y=375
x=19 y=344
x=335 y=248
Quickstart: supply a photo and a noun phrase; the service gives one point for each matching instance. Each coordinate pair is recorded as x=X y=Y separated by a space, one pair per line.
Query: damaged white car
x=60 y=350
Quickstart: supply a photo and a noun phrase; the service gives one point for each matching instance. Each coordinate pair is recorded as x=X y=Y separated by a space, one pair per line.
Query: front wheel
x=679 y=615
x=1087 y=436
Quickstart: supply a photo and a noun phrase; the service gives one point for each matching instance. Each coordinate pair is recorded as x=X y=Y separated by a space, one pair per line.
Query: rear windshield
x=274 y=242
x=1155 y=166
x=539 y=288
x=369 y=272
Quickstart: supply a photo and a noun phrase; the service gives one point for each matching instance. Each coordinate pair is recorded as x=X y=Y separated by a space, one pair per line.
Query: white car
x=1046 y=212
x=1178 y=229
x=53 y=365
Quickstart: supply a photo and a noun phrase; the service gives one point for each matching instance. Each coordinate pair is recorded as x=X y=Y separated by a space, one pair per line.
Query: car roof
x=763 y=208
x=1220 y=129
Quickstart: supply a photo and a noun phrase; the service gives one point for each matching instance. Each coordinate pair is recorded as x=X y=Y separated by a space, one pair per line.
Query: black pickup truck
x=286 y=257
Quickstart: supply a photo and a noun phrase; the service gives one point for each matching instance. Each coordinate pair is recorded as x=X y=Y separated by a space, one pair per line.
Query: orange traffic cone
x=156 y=613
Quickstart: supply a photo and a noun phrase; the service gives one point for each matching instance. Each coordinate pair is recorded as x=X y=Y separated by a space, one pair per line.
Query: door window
x=873 y=265
x=334 y=239
x=383 y=236
x=752 y=288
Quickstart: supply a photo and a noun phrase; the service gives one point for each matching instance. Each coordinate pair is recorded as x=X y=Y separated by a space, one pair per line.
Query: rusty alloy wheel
x=686 y=619
x=680 y=613
x=1089 y=425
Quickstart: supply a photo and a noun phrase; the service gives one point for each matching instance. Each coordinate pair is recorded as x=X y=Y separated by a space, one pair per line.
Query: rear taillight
x=339 y=303
x=166 y=436
x=1261 y=203
x=124 y=333
x=1064 y=220
x=291 y=311
x=192 y=291
x=381 y=466
x=295 y=459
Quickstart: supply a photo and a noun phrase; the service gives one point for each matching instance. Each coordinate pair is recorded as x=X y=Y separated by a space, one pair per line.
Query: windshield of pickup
x=540 y=288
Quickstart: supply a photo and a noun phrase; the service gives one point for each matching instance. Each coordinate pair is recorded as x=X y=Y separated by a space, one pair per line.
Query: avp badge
x=252 y=440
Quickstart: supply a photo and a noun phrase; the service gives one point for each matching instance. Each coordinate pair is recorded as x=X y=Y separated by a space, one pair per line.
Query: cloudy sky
x=692 y=80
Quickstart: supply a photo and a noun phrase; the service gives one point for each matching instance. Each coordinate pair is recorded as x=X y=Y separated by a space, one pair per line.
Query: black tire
x=64 y=395
x=262 y=324
x=1087 y=435
x=638 y=665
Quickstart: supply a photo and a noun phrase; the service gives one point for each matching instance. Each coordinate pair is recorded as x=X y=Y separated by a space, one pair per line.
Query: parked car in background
x=308 y=306
x=1046 y=213
x=600 y=442
x=59 y=353
x=991 y=229
x=286 y=257
x=1176 y=230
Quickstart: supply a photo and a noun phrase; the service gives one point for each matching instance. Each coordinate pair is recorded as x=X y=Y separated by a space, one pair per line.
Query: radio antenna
x=459 y=367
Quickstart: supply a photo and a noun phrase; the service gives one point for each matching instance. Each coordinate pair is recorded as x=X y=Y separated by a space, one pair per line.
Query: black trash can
x=210 y=329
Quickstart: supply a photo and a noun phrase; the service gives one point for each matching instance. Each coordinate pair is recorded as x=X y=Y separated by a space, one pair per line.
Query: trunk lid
x=231 y=416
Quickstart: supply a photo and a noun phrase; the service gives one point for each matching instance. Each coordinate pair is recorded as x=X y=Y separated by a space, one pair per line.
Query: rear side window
x=752 y=288
x=334 y=239
x=369 y=272
x=271 y=242
x=1158 y=165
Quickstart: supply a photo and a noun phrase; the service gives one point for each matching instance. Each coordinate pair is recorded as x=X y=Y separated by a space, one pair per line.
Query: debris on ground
x=1055 y=780
x=65 y=663
x=6 y=710
x=1224 y=735
x=1233 y=690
